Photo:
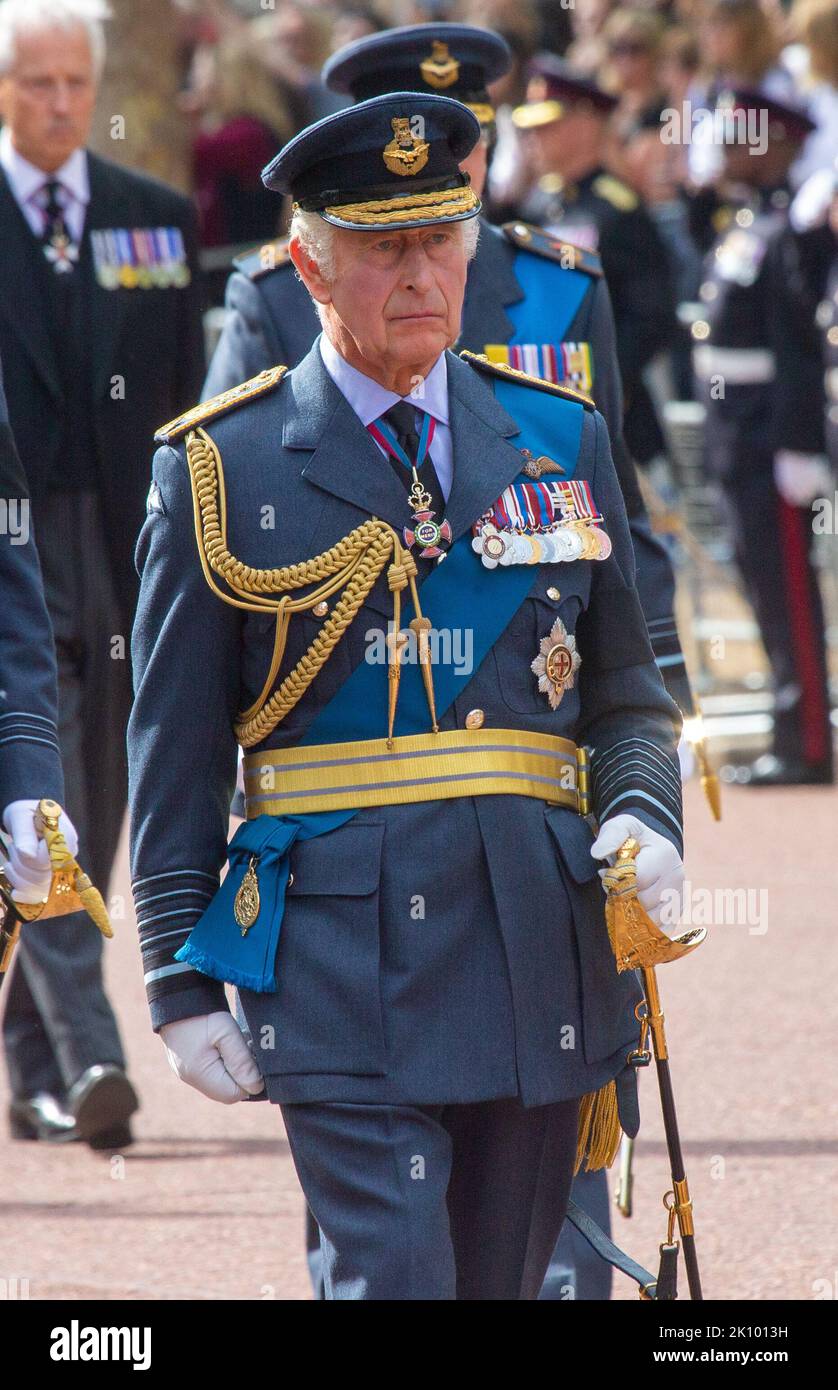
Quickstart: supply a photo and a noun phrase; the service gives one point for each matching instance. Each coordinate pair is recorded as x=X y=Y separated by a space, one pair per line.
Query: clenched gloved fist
x=660 y=870
x=210 y=1053
x=28 y=869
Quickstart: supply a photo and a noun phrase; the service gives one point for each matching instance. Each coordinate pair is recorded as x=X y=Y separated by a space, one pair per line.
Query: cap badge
x=439 y=70
x=405 y=154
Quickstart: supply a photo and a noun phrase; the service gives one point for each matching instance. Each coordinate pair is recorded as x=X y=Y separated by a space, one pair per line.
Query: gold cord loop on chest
x=352 y=565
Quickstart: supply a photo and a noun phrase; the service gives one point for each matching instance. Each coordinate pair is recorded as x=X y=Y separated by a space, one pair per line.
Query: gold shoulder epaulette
x=482 y=363
x=615 y=192
x=263 y=259
x=219 y=405
x=536 y=239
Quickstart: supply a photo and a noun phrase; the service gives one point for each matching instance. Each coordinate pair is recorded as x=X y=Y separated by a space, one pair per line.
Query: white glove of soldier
x=28 y=869
x=210 y=1053
x=800 y=478
x=660 y=870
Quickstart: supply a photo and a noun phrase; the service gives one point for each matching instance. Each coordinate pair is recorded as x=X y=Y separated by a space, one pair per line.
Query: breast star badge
x=557 y=663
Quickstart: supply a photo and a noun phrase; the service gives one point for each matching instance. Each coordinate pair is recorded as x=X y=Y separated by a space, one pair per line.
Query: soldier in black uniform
x=563 y=125
x=757 y=367
x=827 y=322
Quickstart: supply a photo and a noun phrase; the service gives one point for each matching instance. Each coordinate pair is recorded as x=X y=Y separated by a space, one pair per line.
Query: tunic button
x=290 y=879
x=320 y=609
x=474 y=719
x=553 y=593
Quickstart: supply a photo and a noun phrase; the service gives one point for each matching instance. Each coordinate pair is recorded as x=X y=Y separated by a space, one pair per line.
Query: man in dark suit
x=100 y=333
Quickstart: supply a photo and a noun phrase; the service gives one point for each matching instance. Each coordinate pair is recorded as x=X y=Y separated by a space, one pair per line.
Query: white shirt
x=370 y=400
x=28 y=186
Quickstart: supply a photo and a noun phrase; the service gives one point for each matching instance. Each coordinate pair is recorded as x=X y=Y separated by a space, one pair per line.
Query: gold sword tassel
x=71 y=888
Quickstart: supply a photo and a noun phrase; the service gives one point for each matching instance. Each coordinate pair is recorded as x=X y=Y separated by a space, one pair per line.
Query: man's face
x=48 y=95
x=396 y=297
x=549 y=146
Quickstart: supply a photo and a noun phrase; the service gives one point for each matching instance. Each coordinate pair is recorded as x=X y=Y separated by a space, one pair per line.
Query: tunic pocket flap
x=574 y=838
x=346 y=862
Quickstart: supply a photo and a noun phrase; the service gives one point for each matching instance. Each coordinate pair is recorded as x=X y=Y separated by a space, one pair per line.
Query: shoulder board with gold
x=537 y=240
x=263 y=259
x=480 y=361
x=220 y=405
x=615 y=192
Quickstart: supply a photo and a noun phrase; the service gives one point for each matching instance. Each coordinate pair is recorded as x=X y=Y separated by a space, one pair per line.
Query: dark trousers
x=773 y=546
x=58 y=1020
x=435 y=1202
x=576 y=1271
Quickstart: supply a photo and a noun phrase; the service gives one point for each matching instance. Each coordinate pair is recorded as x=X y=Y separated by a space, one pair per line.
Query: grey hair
x=32 y=16
x=317 y=238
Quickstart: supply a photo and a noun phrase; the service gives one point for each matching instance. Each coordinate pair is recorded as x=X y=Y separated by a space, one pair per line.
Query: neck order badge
x=434 y=537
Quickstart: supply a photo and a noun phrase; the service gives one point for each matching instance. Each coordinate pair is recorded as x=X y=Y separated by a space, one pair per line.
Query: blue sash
x=546 y=309
x=454 y=596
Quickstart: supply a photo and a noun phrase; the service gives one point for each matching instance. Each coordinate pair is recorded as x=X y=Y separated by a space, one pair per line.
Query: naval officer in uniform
x=412 y=915
x=532 y=299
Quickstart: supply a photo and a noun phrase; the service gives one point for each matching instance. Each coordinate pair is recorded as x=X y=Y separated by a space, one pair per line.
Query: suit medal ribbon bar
x=434 y=537
x=541 y=522
x=144 y=258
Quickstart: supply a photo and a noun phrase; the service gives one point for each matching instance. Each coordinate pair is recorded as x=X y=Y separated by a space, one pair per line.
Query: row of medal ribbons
x=140 y=258
x=542 y=523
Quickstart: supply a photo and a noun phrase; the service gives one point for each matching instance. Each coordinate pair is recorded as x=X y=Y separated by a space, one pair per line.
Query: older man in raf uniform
x=532 y=299
x=412 y=913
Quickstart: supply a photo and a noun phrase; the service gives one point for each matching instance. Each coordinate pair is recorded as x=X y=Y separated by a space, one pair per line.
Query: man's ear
x=309 y=272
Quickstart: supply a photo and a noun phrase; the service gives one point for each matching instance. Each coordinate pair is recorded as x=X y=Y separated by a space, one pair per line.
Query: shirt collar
x=370 y=400
x=25 y=179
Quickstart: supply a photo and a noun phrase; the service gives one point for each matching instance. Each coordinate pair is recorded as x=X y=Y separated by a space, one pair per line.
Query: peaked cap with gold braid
x=393 y=161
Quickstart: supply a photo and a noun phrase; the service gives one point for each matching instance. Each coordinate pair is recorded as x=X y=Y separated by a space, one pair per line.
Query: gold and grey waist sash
x=416 y=767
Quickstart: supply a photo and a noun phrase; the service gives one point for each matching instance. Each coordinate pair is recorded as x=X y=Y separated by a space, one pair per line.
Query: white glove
x=800 y=478
x=28 y=869
x=210 y=1053
x=660 y=870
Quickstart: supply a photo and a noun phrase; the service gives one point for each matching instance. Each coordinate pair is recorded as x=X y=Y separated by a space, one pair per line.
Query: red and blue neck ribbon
x=382 y=433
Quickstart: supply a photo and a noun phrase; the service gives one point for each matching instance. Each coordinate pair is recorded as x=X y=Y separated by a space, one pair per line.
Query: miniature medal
x=61 y=252
x=491 y=545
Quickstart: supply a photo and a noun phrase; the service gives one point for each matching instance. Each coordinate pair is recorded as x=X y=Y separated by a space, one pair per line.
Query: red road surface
x=206 y=1204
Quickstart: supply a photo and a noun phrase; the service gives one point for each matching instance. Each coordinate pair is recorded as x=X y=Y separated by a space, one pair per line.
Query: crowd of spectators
x=250 y=81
